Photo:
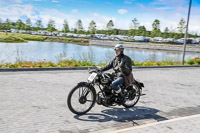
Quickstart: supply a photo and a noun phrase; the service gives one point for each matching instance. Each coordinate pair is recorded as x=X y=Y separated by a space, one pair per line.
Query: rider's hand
x=99 y=69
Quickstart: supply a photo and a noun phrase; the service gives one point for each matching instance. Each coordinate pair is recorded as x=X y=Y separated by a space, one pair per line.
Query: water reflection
x=34 y=51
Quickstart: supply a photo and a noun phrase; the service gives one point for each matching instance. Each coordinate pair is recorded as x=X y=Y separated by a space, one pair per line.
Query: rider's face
x=117 y=52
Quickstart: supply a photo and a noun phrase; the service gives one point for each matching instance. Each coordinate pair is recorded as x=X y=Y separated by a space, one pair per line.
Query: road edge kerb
x=82 y=68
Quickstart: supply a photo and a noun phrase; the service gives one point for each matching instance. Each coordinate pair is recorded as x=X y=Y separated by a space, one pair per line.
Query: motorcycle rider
x=122 y=67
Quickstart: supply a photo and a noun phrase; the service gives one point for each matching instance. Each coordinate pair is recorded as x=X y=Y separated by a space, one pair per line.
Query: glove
x=99 y=69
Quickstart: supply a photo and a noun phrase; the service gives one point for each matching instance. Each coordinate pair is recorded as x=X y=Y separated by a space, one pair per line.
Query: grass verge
x=79 y=63
x=20 y=38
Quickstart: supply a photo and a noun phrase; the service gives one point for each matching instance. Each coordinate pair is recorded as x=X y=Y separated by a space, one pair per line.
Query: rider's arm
x=108 y=66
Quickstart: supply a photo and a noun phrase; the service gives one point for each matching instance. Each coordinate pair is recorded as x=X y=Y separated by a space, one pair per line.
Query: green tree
x=135 y=23
x=65 y=26
x=19 y=24
x=166 y=33
x=51 y=25
x=132 y=32
x=1 y=24
x=110 y=25
x=7 y=25
x=156 y=24
x=28 y=24
x=79 y=26
x=92 y=27
x=156 y=28
x=142 y=31
x=38 y=24
x=75 y=31
x=181 y=26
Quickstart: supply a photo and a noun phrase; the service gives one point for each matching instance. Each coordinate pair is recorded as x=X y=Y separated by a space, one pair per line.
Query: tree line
x=135 y=29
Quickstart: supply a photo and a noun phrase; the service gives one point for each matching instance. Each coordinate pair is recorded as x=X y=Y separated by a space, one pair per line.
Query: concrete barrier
x=83 y=68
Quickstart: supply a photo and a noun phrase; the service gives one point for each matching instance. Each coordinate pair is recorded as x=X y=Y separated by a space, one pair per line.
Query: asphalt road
x=32 y=102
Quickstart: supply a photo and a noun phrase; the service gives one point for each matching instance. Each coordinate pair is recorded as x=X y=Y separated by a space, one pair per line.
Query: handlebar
x=95 y=71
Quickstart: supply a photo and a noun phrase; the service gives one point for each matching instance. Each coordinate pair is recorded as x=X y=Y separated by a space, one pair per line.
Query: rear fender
x=139 y=84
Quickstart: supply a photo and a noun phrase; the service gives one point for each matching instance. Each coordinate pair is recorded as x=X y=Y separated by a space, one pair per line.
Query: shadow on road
x=122 y=115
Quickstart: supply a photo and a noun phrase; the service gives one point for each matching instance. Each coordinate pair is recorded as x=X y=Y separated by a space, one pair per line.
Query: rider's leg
x=116 y=83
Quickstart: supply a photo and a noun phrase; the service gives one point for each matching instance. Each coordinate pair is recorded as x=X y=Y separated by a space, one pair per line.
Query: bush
x=148 y=63
x=86 y=63
x=191 y=62
x=133 y=62
x=197 y=61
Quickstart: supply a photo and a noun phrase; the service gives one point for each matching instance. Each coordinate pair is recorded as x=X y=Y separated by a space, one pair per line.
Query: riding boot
x=121 y=98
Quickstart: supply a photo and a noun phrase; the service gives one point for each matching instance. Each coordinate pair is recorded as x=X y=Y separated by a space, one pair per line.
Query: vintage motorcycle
x=83 y=96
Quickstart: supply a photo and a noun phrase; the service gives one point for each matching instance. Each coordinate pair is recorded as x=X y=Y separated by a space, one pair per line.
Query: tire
x=135 y=99
x=81 y=99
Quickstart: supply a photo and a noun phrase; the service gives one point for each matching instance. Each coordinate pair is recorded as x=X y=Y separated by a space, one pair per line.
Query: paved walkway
x=35 y=102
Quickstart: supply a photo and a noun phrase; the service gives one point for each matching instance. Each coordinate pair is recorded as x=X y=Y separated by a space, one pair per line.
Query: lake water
x=53 y=51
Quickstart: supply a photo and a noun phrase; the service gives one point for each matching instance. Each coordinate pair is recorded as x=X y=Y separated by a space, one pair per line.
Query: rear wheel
x=132 y=97
x=81 y=99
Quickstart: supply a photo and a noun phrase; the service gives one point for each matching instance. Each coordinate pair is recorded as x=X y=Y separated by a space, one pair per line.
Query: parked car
x=169 y=40
x=14 y=31
x=147 y=39
x=179 y=41
x=61 y=34
x=139 y=38
x=195 y=40
x=99 y=35
x=33 y=33
x=158 y=39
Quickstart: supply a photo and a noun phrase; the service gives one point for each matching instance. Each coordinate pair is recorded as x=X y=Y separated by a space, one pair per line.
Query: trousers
x=116 y=83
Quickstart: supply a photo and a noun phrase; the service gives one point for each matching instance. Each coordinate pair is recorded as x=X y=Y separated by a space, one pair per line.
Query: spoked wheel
x=132 y=97
x=81 y=99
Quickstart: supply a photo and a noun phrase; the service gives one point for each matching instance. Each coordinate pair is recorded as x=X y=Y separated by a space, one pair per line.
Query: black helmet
x=119 y=47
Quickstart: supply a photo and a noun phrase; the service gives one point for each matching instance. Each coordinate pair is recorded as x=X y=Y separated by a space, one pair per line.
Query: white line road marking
x=156 y=123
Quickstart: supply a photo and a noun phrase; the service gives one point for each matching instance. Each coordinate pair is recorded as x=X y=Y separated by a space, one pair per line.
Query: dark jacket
x=122 y=66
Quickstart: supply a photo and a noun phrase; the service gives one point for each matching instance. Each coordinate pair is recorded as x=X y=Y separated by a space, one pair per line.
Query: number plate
x=92 y=77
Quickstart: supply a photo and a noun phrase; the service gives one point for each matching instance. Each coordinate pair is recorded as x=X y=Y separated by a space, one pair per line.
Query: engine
x=106 y=79
x=107 y=98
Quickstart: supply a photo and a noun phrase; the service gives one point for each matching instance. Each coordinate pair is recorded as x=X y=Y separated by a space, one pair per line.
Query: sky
x=169 y=12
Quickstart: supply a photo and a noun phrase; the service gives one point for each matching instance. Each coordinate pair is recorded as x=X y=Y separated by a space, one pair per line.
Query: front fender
x=89 y=86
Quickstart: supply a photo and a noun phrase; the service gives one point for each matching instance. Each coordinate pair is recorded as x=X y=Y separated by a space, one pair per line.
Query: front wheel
x=81 y=98
x=132 y=96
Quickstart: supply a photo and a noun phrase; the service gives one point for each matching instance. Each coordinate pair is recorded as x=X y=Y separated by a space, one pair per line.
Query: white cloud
x=167 y=19
x=171 y=3
x=16 y=11
x=109 y=3
x=74 y=10
x=128 y=2
x=58 y=17
x=122 y=11
x=140 y=5
x=10 y=1
x=36 y=0
x=55 y=1
x=102 y=20
x=162 y=8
